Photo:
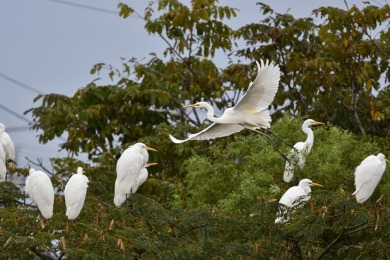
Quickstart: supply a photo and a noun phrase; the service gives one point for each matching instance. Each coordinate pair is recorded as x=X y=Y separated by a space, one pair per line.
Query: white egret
x=40 y=189
x=3 y=163
x=7 y=143
x=141 y=178
x=367 y=176
x=250 y=112
x=75 y=193
x=128 y=168
x=293 y=197
x=302 y=149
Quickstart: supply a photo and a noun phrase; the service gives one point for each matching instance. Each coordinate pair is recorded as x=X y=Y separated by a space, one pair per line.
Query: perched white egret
x=141 y=178
x=7 y=143
x=250 y=112
x=3 y=163
x=293 y=197
x=302 y=149
x=128 y=168
x=75 y=192
x=40 y=189
x=367 y=176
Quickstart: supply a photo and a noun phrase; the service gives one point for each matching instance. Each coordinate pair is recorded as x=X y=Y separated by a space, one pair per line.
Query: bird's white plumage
x=213 y=131
x=75 y=193
x=40 y=189
x=292 y=198
x=128 y=167
x=7 y=143
x=250 y=112
x=141 y=178
x=367 y=176
x=261 y=92
x=298 y=156
x=3 y=163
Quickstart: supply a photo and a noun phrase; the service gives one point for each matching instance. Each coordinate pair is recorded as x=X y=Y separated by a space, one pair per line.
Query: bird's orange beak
x=190 y=105
x=151 y=164
x=318 y=123
x=150 y=149
x=388 y=161
x=316 y=184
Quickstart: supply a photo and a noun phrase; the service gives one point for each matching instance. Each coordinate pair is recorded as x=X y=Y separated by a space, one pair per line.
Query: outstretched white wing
x=213 y=131
x=261 y=92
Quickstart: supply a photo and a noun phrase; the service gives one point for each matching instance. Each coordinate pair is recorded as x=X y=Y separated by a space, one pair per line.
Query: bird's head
x=382 y=157
x=310 y=122
x=307 y=182
x=198 y=104
x=80 y=170
x=144 y=146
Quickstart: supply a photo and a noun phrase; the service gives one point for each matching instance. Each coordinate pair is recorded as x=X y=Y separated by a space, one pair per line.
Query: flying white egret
x=293 y=197
x=40 y=189
x=367 y=176
x=7 y=143
x=302 y=149
x=250 y=112
x=75 y=192
x=128 y=168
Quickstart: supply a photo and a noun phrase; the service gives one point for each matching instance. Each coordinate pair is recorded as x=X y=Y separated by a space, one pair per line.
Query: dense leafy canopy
x=218 y=199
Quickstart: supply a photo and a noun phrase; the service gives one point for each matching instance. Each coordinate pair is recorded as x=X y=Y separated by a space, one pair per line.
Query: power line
x=25 y=86
x=89 y=7
x=14 y=113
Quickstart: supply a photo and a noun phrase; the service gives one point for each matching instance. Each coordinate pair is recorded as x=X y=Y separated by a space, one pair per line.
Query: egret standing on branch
x=40 y=189
x=75 y=193
x=3 y=163
x=367 y=176
x=302 y=149
x=9 y=150
x=128 y=168
x=293 y=197
x=250 y=112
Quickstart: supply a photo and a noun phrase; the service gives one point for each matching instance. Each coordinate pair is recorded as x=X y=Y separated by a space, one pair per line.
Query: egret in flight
x=40 y=189
x=128 y=169
x=250 y=112
x=293 y=197
x=302 y=149
x=367 y=176
x=75 y=193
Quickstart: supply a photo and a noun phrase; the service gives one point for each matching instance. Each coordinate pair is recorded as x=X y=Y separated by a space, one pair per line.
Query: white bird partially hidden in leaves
x=367 y=176
x=293 y=197
x=40 y=189
x=128 y=168
x=3 y=163
x=7 y=143
x=250 y=112
x=298 y=155
x=75 y=193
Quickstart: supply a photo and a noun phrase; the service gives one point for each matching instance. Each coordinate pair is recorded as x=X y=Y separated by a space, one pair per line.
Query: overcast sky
x=49 y=46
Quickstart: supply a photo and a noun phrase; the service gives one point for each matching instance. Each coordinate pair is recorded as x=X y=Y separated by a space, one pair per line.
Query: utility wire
x=14 y=113
x=25 y=86
x=93 y=8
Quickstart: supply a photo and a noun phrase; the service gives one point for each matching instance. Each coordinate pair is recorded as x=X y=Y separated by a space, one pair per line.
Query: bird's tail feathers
x=119 y=199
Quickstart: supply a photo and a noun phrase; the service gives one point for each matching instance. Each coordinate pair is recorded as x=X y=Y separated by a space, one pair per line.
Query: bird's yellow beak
x=388 y=161
x=150 y=149
x=151 y=164
x=318 y=123
x=190 y=105
x=316 y=184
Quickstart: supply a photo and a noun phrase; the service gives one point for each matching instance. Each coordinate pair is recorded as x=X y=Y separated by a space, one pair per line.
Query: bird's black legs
x=272 y=142
x=280 y=138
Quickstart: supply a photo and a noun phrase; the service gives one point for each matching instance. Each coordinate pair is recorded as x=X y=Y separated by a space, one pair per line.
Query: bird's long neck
x=210 y=113
x=310 y=138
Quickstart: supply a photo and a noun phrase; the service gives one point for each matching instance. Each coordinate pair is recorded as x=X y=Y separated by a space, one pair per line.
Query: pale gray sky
x=51 y=47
